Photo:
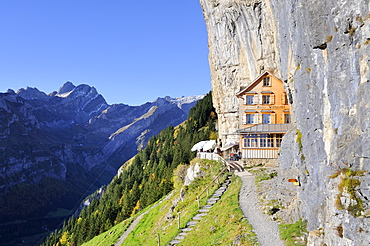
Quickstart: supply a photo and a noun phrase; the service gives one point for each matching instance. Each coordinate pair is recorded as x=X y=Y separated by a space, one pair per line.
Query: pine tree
x=147 y=179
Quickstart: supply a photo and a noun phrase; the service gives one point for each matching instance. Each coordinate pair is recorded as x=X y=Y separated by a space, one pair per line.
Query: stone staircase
x=235 y=166
x=201 y=212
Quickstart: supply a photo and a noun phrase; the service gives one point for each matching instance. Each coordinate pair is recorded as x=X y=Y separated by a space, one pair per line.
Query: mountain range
x=72 y=140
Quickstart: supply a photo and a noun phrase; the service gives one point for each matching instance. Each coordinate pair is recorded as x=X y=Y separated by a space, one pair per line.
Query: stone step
x=174 y=242
x=183 y=234
x=187 y=229
x=191 y=223
x=219 y=191
x=180 y=238
x=207 y=207
x=203 y=210
x=199 y=216
x=211 y=202
x=213 y=199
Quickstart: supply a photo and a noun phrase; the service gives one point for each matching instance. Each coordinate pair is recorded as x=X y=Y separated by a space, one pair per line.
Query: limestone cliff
x=320 y=49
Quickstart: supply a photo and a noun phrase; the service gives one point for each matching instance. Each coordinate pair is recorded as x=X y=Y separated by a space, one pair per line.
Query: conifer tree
x=147 y=179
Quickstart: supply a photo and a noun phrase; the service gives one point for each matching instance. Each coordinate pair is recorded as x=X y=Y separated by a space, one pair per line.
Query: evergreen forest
x=143 y=180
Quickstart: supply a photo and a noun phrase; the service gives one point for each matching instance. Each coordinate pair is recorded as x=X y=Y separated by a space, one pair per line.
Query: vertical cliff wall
x=320 y=49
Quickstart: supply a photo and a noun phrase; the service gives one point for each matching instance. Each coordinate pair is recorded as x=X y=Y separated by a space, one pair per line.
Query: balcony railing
x=211 y=156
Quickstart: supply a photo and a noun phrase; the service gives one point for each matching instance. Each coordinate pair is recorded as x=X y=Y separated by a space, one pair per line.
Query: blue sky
x=130 y=51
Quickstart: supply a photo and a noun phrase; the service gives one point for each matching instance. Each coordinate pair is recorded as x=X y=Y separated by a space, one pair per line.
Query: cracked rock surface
x=320 y=50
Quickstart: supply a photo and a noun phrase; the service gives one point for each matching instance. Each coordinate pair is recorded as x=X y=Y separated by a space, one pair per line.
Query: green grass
x=224 y=223
x=59 y=212
x=261 y=174
x=292 y=233
x=111 y=236
x=265 y=176
x=156 y=222
x=349 y=183
x=300 y=145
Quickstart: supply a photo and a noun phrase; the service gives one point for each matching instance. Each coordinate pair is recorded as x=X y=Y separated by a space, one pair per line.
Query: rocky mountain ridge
x=73 y=134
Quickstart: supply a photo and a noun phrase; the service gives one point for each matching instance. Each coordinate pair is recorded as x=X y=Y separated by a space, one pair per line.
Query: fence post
x=178 y=213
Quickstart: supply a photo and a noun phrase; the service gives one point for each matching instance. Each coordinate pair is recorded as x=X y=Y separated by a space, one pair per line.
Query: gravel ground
x=266 y=230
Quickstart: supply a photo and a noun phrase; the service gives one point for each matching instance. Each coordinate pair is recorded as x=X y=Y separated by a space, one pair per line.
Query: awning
x=267 y=92
x=229 y=146
x=209 y=145
x=205 y=145
x=266 y=128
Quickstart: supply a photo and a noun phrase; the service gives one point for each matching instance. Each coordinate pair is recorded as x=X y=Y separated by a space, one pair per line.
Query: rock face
x=320 y=49
x=73 y=135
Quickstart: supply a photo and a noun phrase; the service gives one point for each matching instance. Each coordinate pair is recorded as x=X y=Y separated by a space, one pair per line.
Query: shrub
x=350 y=185
x=291 y=233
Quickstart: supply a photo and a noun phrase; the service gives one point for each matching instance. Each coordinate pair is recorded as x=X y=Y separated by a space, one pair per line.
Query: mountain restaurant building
x=264 y=117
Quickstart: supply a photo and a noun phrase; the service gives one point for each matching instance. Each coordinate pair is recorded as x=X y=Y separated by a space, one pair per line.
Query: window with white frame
x=266 y=81
x=250 y=118
x=266 y=118
x=270 y=140
x=250 y=141
x=279 y=138
x=245 y=142
x=250 y=99
x=263 y=140
x=266 y=99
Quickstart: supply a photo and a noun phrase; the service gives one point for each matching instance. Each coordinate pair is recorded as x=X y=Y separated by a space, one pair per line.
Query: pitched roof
x=244 y=89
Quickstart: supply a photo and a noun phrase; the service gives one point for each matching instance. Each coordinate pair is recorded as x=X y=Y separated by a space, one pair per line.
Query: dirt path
x=265 y=229
x=136 y=221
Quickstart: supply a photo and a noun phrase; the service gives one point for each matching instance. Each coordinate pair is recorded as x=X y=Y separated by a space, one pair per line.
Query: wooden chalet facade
x=264 y=117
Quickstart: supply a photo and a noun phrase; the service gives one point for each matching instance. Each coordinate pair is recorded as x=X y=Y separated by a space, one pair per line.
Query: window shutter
x=244 y=119
x=284 y=99
x=255 y=99
x=272 y=99
x=273 y=117
x=244 y=99
x=260 y=99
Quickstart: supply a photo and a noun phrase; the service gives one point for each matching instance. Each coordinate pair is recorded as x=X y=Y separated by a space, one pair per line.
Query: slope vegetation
x=142 y=181
x=224 y=224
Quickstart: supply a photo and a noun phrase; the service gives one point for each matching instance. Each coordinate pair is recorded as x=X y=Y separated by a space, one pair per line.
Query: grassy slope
x=108 y=238
x=223 y=224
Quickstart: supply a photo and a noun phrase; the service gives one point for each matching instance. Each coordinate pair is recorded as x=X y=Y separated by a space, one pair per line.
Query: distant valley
x=56 y=147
